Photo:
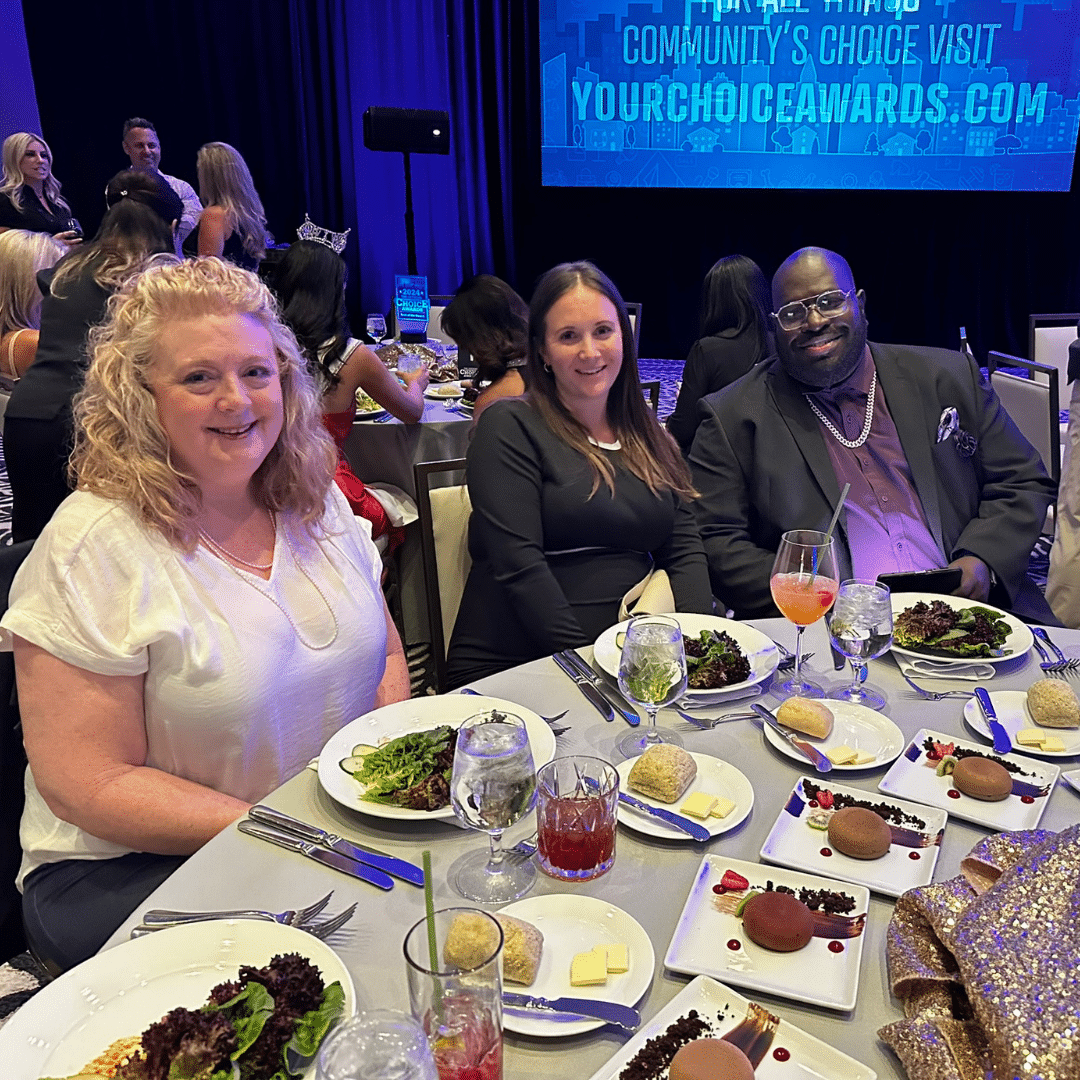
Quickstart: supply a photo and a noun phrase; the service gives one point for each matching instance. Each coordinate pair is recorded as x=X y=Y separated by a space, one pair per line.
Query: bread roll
x=471 y=939
x=810 y=717
x=663 y=773
x=1052 y=703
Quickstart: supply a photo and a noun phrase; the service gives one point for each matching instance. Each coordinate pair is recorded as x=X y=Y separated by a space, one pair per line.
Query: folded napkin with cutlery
x=927 y=668
x=721 y=700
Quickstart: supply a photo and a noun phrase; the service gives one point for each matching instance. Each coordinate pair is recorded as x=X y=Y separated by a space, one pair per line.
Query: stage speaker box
x=407 y=131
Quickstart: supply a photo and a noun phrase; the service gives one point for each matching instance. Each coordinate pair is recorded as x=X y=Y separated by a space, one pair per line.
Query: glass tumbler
x=377 y=1045
x=576 y=817
x=454 y=970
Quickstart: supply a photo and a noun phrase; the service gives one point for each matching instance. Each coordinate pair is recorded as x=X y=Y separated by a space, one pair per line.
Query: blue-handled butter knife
x=1002 y=742
x=698 y=832
x=398 y=868
x=611 y=1012
x=821 y=762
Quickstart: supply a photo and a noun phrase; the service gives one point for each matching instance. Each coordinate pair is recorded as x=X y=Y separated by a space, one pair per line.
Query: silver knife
x=327 y=858
x=698 y=832
x=601 y=703
x=611 y=1012
x=398 y=868
x=575 y=661
x=1002 y=742
x=821 y=762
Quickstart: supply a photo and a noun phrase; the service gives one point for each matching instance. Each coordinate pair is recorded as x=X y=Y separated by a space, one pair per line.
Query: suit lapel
x=912 y=409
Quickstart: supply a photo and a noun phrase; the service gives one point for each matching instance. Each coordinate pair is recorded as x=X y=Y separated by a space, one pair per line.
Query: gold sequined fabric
x=986 y=964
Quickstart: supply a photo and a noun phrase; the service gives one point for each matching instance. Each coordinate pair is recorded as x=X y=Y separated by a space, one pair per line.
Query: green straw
x=433 y=944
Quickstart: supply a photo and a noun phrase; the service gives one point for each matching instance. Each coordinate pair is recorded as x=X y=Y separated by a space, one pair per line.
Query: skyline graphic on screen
x=845 y=94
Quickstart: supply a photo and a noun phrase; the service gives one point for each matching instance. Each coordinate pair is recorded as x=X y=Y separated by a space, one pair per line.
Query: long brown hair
x=648 y=450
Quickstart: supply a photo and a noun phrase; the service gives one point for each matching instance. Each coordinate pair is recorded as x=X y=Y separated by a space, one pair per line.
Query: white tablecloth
x=650 y=879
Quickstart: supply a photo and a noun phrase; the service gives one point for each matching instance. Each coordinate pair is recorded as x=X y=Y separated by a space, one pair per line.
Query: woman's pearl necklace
x=851 y=444
x=222 y=552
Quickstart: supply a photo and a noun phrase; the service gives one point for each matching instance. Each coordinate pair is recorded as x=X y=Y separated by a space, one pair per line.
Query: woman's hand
x=421 y=375
x=69 y=237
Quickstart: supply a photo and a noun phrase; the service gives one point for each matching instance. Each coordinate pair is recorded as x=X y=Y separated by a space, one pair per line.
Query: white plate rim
x=627 y=992
x=765 y=650
x=27 y=1051
x=965 y=808
x=881 y=723
x=446 y=706
x=875 y=883
x=1072 y=778
x=430 y=394
x=650 y=826
x=704 y=993
x=900 y=601
x=1004 y=702
x=852 y=956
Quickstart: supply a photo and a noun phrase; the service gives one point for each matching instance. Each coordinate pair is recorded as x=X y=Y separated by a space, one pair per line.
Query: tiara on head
x=333 y=240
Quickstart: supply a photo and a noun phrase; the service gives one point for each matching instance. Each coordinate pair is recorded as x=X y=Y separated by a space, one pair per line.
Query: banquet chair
x=1032 y=402
x=1049 y=338
x=435 y=331
x=444 y=544
x=651 y=387
x=634 y=311
x=12 y=767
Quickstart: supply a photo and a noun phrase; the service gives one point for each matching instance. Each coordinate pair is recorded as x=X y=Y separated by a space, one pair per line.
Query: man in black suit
x=939 y=474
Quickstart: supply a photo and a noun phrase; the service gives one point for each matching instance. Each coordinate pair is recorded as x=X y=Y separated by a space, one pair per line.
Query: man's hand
x=975 y=578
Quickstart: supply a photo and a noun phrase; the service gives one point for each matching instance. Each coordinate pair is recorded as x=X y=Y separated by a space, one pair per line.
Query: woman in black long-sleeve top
x=577 y=492
x=30 y=196
x=735 y=335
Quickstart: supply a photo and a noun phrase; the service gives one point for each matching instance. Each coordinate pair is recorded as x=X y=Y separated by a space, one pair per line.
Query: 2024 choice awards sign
x=950 y=94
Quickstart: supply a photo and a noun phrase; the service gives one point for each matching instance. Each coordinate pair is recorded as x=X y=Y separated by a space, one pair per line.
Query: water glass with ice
x=861 y=628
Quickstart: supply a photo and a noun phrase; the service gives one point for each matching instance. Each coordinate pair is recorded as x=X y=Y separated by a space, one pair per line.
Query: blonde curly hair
x=121 y=449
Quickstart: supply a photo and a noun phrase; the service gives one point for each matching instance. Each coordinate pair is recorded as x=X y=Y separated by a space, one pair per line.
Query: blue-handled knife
x=698 y=832
x=596 y=699
x=398 y=868
x=1002 y=742
x=821 y=762
x=611 y=1012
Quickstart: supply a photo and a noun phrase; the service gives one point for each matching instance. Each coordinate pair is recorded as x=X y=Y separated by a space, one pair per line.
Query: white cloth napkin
x=399 y=507
x=720 y=700
x=935 y=669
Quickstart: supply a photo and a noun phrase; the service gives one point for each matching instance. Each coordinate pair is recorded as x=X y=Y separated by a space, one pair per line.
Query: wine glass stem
x=650 y=732
x=798 y=654
x=856 y=672
x=495 y=861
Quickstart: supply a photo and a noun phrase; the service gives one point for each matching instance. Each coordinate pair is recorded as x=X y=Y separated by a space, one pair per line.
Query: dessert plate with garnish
x=376 y=729
x=571 y=924
x=728 y=673
x=1015 y=717
x=800 y=838
x=855 y=727
x=791 y=1054
x=926 y=769
x=714 y=778
x=1016 y=642
x=1072 y=778
x=810 y=955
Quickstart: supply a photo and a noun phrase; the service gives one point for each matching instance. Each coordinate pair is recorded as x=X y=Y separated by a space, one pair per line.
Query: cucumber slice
x=620 y=640
x=363 y=749
x=352 y=764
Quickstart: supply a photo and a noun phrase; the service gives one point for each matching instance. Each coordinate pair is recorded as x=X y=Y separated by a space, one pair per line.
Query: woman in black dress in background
x=735 y=335
x=30 y=196
x=577 y=491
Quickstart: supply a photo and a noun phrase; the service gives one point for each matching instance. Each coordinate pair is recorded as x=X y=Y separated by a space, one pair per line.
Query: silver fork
x=1063 y=666
x=934 y=695
x=325 y=929
x=707 y=723
x=787 y=657
x=550 y=720
x=525 y=850
x=165 y=917
x=1049 y=666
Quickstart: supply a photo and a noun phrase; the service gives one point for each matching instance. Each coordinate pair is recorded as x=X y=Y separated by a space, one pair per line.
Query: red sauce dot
x=734 y=944
x=953 y=793
x=826 y=852
x=914 y=855
x=781 y=1054
x=719 y=890
x=836 y=946
x=813 y=802
x=1027 y=798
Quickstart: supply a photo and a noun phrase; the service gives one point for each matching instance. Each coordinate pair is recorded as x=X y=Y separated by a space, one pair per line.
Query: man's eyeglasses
x=828 y=305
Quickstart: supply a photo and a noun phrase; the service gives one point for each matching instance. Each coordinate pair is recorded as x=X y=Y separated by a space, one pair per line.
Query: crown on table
x=333 y=240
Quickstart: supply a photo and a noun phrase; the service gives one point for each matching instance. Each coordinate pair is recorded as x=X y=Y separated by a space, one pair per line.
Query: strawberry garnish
x=733 y=881
x=825 y=799
x=939 y=750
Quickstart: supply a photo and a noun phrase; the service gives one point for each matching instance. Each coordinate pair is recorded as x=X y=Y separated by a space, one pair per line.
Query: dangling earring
x=547 y=367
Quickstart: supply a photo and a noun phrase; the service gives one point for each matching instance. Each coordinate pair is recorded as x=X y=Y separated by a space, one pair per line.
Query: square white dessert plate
x=708 y=941
x=908 y=863
x=808 y=1058
x=913 y=776
x=1072 y=778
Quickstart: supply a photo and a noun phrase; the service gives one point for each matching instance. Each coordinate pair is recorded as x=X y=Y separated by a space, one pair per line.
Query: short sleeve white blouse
x=245 y=678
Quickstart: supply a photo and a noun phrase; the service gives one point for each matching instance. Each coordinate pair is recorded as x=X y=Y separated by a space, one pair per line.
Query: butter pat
x=1053 y=745
x=863 y=757
x=722 y=808
x=1030 y=736
x=699 y=805
x=841 y=755
x=589 y=969
x=616 y=957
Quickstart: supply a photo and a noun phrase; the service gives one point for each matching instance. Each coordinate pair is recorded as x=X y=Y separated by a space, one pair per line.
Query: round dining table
x=650 y=878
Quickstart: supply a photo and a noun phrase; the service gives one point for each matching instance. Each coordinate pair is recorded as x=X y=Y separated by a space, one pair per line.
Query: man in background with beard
x=939 y=474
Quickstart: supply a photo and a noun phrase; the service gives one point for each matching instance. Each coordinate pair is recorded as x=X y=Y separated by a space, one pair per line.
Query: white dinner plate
x=723 y=1008
x=573 y=923
x=904 y=866
x=1012 y=711
x=122 y=991
x=1018 y=643
x=913 y=776
x=853 y=725
x=760 y=650
x=415 y=714
x=714 y=777
x=369 y=414
x=708 y=941
x=447 y=391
